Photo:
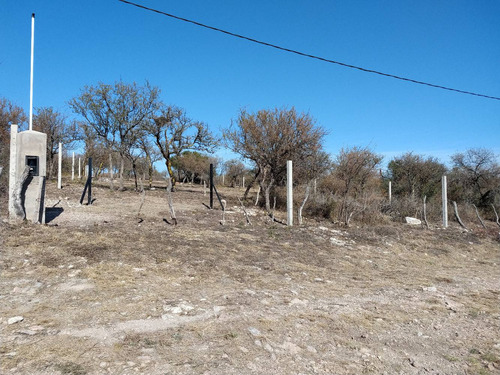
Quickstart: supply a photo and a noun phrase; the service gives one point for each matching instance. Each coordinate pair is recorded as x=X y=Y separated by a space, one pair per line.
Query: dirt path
x=103 y=291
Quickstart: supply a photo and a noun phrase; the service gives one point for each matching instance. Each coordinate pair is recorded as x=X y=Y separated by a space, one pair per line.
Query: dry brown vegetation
x=103 y=291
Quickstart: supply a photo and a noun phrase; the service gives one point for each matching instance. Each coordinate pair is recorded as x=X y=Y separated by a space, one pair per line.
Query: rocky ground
x=102 y=289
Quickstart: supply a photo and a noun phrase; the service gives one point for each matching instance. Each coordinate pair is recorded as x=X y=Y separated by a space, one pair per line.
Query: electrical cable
x=306 y=54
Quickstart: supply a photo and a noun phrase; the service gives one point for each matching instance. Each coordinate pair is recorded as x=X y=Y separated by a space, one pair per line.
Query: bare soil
x=103 y=290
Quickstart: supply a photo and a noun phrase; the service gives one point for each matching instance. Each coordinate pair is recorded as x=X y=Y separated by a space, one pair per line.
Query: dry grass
x=250 y=299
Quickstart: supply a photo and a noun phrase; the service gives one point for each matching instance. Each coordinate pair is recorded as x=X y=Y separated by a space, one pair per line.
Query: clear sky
x=449 y=43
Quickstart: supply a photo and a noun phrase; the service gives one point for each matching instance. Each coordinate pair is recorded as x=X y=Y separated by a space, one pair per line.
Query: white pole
x=243 y=183
x=79 y=168
x=31 y=76
x=73 y=167
x=289 y=193
x=390 y=192
x=59 y=172
x=445 y=201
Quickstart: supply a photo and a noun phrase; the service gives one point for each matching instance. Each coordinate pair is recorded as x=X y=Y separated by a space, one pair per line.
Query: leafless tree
x=117 y=114
x=58 y=130
x=234 y=169
x=173 y=133
x=269 y=138
x=355 y=169
x=475 y=177
x=9 y=114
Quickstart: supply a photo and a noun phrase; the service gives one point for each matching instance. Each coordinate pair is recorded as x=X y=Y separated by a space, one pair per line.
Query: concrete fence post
x=59 y=164
x=444 y=196
x=289 y=193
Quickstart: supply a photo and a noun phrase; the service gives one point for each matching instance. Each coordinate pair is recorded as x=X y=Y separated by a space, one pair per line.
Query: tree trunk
x=496 y=214
x=245 y=212
x=303 y=204
x=51 y=166
x=150 y=172
x=170 y=202
x=122 y=168
x=111 y=186
x=170 y=173
x=257 y=199
x=425 y=212
x=251 y=184
x=143 y=198
x=479 y=217
x=455 y=208
x=267 y=192
x=134 y=170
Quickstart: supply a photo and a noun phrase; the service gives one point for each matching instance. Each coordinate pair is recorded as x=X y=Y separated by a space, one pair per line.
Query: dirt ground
x=101 y=290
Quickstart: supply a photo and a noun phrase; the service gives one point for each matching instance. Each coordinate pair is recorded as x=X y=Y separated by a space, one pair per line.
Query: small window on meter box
x=32 y=162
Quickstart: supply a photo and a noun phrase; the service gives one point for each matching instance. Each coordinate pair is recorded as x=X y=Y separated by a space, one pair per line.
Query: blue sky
x=212 y=76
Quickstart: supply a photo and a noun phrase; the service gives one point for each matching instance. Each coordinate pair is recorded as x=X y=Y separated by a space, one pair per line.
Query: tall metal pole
x=211 y=186
x=289 y=193
x=31 y=75
x=445 y=202
x=390 y=192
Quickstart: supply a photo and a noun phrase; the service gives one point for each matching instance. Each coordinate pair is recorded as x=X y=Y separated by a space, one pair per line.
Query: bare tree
x=9 y=114
x=173 y=133
x=152 y=155
x=117 y=114
x=234 y=169
x=355 y=170
x=475 y=177
x=58 y=130
x=269 y=138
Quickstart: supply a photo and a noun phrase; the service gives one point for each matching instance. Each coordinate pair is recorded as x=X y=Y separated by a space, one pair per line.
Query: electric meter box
x=28 y=149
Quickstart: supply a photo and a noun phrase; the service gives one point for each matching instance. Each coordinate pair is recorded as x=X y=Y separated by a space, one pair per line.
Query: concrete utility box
x=28 y=148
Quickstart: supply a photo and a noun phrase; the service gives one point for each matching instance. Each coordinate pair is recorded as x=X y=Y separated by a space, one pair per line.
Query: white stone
x=297 y=301
x=336 y=241
x=412 y=221
x=429 y=289
x=15 y=319
x=254 y=331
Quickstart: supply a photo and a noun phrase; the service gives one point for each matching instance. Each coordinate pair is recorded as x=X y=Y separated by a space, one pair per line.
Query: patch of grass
x=450 y=358
x=490 y=357
x=70 y=368
x=230 y=335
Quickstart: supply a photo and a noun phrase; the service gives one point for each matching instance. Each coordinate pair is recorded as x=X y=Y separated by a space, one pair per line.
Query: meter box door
x=32 y=163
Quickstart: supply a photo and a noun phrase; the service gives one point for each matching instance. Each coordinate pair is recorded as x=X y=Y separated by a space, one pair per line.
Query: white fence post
x=59 y=172
x=445 y=201
x=73 y=167
x=289 y=193
x=390 y=192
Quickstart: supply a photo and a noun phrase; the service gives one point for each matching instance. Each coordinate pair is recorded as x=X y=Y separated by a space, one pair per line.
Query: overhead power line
x=306 y=54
